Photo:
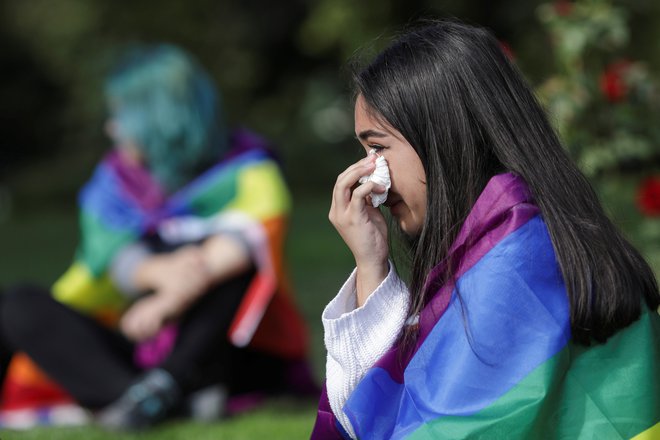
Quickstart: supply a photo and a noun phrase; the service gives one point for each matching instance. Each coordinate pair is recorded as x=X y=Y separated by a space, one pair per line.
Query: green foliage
x=604 y=105
x=580 y=27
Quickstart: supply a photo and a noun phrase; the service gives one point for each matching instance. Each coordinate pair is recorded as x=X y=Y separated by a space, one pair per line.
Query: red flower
x=612 y=81
x=563 y=7
x=648 y=196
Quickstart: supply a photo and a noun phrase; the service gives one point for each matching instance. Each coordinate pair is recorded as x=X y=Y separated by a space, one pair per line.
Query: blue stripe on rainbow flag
x=515 y=316
x=102 y=198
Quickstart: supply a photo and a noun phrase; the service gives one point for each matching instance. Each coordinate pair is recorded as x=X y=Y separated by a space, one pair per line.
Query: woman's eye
x=377 y=147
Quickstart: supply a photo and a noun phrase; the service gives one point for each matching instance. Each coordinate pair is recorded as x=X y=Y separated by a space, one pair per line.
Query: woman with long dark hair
x=526 y=313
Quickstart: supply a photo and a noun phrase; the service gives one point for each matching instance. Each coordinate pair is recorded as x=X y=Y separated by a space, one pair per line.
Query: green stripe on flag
x=219 y=191
x=610 y=391
x=650 y=434
x=100 y=242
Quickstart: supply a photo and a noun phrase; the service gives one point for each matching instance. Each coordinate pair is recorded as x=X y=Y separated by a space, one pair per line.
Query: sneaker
x=147 y=402
x=207 y=404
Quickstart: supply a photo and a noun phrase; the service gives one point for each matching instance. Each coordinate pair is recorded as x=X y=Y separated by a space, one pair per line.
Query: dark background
x=281 y=66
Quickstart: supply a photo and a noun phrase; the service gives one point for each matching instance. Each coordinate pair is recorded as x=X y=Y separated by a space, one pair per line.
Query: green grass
x=37 y=245
x=274 y=421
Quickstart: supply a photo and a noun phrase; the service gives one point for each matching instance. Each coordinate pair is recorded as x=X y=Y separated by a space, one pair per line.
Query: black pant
x=95 y=364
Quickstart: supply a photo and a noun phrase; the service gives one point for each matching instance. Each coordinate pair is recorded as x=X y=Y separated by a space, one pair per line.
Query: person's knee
x=22 y=309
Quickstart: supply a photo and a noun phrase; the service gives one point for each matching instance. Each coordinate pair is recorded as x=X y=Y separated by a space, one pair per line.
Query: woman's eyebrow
x=364 y=135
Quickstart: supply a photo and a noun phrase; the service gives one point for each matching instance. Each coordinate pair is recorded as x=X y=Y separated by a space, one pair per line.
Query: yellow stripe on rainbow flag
x=653 y=433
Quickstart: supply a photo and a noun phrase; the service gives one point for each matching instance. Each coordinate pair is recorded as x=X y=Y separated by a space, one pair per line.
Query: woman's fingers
x=140 y=329
x=356 y=201
x=346 y=180
x=357 y=211
x=128 y=326
x=359 y=196
x=360 y=163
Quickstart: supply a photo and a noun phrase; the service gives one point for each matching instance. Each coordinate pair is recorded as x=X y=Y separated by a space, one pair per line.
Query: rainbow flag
x=245 y=193
x=498 y=362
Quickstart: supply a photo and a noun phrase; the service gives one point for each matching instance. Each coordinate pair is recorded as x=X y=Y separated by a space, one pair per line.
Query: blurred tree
x=29 y=107
x=279 y=64
x=605 y=105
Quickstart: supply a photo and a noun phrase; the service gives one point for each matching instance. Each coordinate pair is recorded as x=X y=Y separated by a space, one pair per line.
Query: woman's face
x=128 y=149
x=407 y=196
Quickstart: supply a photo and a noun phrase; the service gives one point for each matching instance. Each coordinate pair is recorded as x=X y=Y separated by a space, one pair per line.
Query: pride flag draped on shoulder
x=494 y=357
x=244 y=194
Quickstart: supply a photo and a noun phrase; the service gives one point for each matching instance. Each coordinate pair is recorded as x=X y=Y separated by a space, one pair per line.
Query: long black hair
x=454 y=95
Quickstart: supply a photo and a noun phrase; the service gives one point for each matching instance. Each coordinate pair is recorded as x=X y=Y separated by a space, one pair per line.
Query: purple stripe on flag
x=325 y=427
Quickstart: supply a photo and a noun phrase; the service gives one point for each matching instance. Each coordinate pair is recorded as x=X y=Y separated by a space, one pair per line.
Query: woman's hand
x=361 y=226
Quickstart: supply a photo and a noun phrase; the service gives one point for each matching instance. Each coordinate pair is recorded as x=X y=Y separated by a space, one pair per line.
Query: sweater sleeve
x=357 y=337
x=123 y=266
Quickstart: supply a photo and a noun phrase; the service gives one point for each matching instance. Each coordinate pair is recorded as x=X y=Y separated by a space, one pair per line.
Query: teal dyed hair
x=164 y=102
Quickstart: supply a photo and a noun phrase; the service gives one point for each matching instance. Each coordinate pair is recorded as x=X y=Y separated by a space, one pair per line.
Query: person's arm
x=361 y=226
x=177 y=279
x=225 y=256
x=124 y=265
x=217 y=259
x=356 y=337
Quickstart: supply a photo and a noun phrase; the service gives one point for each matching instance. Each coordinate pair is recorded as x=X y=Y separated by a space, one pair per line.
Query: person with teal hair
x=178 y=286
x=164 y=102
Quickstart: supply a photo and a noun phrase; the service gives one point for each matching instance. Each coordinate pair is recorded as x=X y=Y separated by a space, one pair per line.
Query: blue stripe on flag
x=515 y=317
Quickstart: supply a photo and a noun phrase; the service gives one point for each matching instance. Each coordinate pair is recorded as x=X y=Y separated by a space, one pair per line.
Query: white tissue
x=381 y=176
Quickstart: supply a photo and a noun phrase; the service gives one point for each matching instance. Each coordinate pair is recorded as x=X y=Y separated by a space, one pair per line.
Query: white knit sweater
x=357 y=337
